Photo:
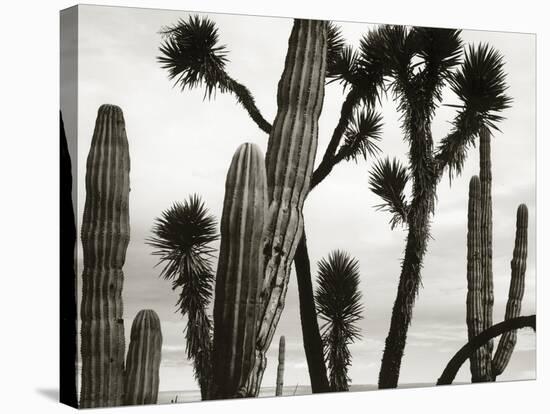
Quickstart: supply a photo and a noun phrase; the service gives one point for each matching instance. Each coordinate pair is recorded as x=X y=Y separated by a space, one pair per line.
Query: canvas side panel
x=68 y=202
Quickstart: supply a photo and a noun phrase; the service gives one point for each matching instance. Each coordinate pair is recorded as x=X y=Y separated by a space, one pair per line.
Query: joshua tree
x=419 y=63
x=182 y=238
x=339 y=305
x=191 y=54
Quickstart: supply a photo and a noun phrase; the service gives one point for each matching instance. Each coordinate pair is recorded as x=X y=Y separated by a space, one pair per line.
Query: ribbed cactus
x=515 y=295
x=486 y=251
x=240 y=271
x=483 y=365
x=105 y=237
x=289 y=163
x=474 y=300
x=281 y=367
x=143 y=360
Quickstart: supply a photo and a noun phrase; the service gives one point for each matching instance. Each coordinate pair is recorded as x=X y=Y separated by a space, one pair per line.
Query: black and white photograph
x=265 y=206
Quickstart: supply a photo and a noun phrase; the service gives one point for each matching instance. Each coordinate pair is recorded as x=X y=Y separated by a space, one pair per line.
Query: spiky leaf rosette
x=191 y=53
x=361 y=135
x=193 y=56
x=182 y=239
x=388 y=180
x=480 y=84
x=338 y=301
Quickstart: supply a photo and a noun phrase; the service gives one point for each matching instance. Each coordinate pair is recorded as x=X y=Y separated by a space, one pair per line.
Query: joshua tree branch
x=450 y=371
x=331 y=158
x=245 y=98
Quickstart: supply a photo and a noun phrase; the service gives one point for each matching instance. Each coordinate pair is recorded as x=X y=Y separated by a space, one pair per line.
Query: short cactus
x=281 y=368
x=143 y=360
x=240 y=271
x=105 y=237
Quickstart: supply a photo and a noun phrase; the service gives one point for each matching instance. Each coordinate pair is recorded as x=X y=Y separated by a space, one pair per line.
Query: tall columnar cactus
x=483 y=365
x=289 y=164
x=143 y=359
x=240 y=271
x=281 y=367
x=515 y=295
x=486 y=252
x=105 y=236
x=474 y=300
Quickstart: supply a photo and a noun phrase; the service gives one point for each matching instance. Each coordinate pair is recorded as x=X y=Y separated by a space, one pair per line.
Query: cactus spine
x=515 y=295
x=289 y=163
x=105 y=237
x=281 y=367
x=143 y=360
x=474 y=304
x=240 y=271
x=485 y=177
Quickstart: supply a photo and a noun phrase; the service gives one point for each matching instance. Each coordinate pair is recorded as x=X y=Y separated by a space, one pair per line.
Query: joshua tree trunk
x=313 y=345
x=424 y=185
x=289 y=164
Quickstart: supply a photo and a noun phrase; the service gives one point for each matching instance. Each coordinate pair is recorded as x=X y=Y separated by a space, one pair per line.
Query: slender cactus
x=485 y=177
x=281 y=367
x=105 y=237
x=240 y=271
x=143 y=360
x=517 y=287
x=289 y=164
x=474 y=301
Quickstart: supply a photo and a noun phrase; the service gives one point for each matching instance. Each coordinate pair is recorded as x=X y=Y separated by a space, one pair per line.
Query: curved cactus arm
x=280 y=368
x=515 y=295
x=240 y=271
x=289 y=164
x=474 y=299
x=105 y=236
x=513 y=324
x=143 y=360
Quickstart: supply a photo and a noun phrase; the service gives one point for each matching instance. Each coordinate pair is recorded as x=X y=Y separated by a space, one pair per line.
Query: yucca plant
x=420 y=63
x=193 y=56
x=338 y=300
x=182 y=238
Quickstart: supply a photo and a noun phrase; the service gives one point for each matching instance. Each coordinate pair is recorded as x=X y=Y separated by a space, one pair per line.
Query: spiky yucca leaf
x=182 y=239
x=338 y=300
x=192 y=55
x=343 y=67
x=335 y=45
x=480 y=84
x=388 y=180
x=439 y=50
x=361 y=135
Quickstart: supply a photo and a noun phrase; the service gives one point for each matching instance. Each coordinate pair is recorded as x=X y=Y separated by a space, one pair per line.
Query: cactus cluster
x=105 y=237
x=485 y=366
x=262 y=219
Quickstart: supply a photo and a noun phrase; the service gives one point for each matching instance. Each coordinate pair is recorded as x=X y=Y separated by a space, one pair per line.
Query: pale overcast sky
x=180 y=144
